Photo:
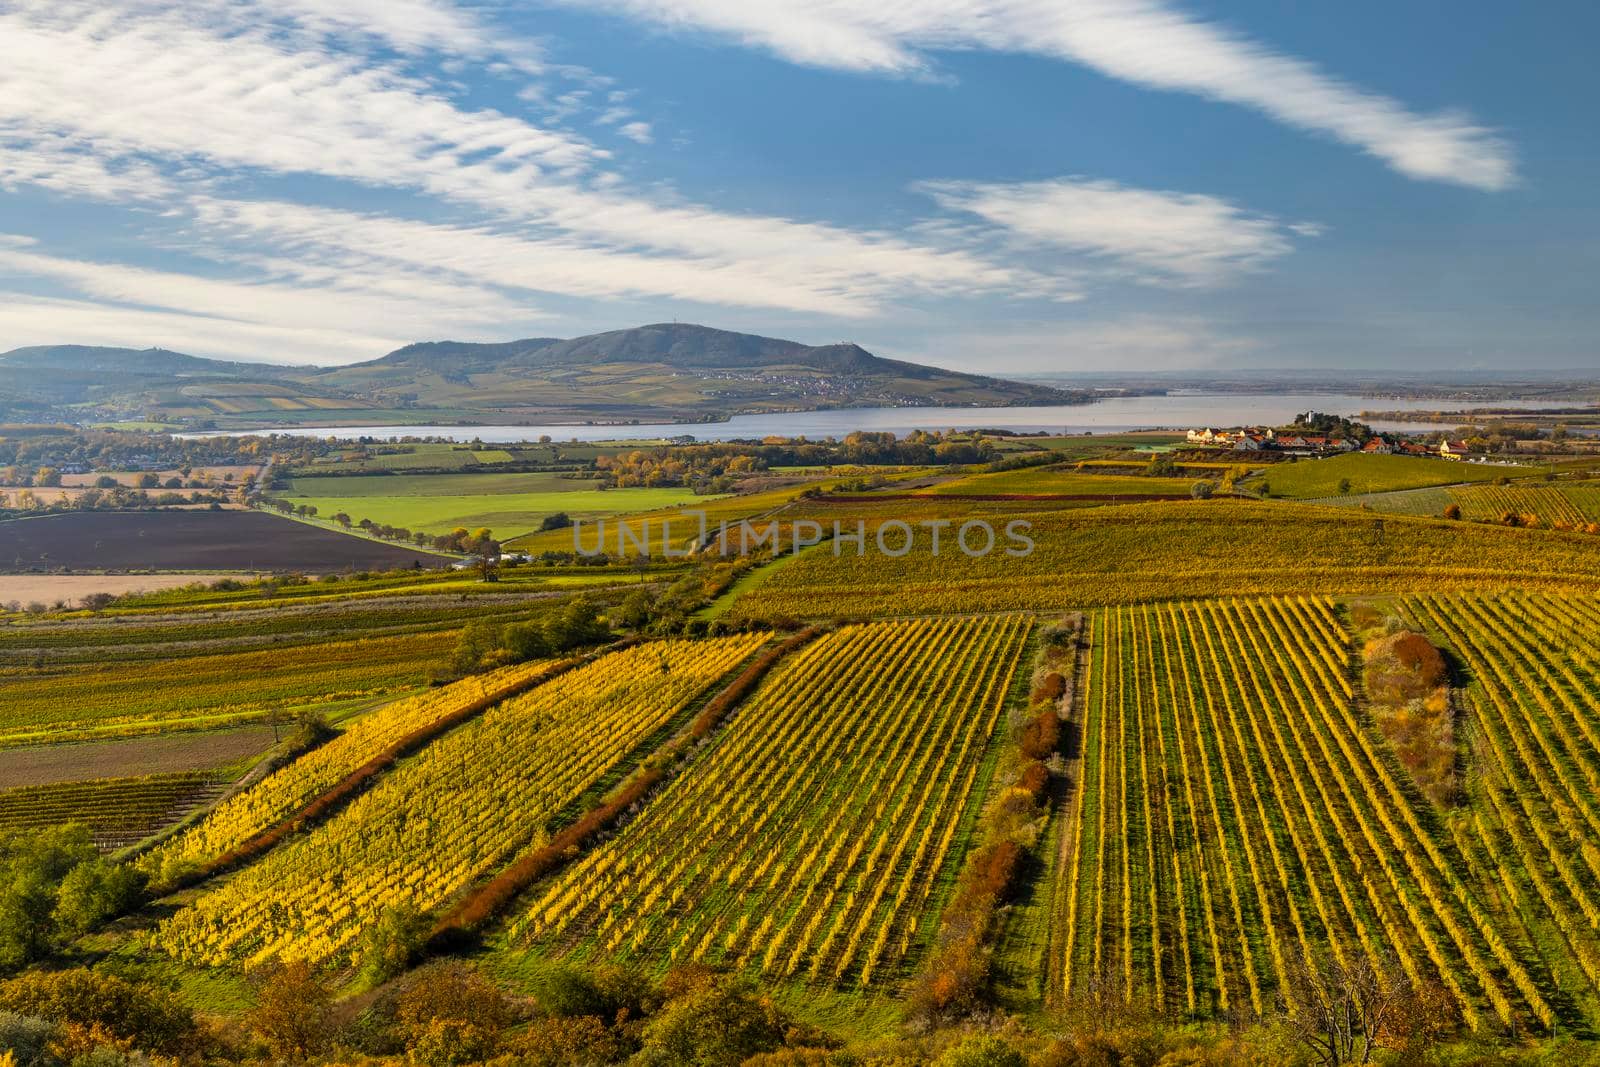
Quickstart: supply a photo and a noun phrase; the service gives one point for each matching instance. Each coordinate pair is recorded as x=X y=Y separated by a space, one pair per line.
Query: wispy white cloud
x=407 y=25
x=27 y=319
x=178 y=107
x=1144 y=42
x=211 y=100
x=162 y=85
x=822 y=270
x=48 y=161
x=1157 y=235
x=637 y=131
x=1146 y=341
x=392 y=305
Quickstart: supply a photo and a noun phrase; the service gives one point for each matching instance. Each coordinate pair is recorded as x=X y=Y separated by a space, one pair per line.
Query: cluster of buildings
x=1258 y=439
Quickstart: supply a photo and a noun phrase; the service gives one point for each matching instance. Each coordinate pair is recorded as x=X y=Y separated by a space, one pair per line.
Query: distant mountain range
x=664 y=372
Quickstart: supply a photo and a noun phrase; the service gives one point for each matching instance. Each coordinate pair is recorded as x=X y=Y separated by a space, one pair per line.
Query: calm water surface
x=1111 y=415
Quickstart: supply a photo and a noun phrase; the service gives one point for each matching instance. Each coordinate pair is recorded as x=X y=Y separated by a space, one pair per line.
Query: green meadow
x=509 y=504
x=1311 y=478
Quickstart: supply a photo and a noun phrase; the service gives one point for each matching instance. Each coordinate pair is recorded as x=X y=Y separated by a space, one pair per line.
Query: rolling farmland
x=509 y=504
x=466 y=804
x=1137 y=552
x=1048 y=481
x=206 y=659
x=206 y=691
x=1373 y=474
x=808 y=842
x=1153 y=773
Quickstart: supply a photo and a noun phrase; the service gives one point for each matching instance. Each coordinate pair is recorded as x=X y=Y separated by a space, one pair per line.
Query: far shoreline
x=1166 y=412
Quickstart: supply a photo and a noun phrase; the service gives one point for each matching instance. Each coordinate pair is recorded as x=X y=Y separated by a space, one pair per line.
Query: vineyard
x=122 y=699
x=1550 y=505
x=203 y=665
x=1138 y=552
x=117 y=811
x=1055 y=480
x=1533 y=835
x=463 y=806
x=1238 y=827
x=1308 y=479
x=809 y=841
x=288 y=789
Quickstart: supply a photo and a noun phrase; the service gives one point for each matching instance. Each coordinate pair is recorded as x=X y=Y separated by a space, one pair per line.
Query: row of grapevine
x=1549 y=504
x=117 y=810
x=1534 y=706
x=808 y=841
x=1572 y=506
x=289 y=788
x=1242 y=826
x=460 y=808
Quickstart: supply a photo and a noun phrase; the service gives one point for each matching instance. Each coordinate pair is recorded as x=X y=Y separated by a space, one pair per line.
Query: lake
x=1111 y=415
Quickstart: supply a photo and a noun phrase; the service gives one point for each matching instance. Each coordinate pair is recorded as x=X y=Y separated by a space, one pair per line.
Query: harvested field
x=217 y=474
x=72 y=588
x=49 y=495
x=170 y=754
x=190 y=540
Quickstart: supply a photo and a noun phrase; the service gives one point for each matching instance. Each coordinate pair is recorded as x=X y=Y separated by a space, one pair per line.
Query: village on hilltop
x=1267 y=439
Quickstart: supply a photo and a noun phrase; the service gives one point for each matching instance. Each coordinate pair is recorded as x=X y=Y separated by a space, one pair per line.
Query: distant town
x=1267 y=439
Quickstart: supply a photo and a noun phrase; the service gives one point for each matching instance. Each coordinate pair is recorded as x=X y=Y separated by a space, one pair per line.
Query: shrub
x=393 y=944
x=983 y=1050
x=94 y=892
x=131 y=1013
x=716 y=1027
x=26 y=1039
x=568 y=1041
x=451 y=1014
x=1040 y=735
x=32 y=866
x=293 y=1013
x=1035 y=778
x=1408 y=687
x=1050 y=687
x=567 y=991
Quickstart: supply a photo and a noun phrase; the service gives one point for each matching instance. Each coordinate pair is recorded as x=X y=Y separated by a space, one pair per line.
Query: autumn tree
x=1347 y=1010
x=294 y=1010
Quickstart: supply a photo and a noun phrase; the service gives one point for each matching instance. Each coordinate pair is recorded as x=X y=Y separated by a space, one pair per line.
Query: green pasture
x=508 y=504
x=1308 y=479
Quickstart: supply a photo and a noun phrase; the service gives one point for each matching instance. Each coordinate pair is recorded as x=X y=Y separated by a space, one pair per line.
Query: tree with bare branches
x=1346 y=1010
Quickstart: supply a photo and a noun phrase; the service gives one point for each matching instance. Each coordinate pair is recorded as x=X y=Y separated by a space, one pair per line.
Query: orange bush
x=1035 y=778
x=1041 y=734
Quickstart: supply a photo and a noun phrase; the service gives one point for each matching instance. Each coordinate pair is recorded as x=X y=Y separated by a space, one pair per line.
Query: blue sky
x=997 y=185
